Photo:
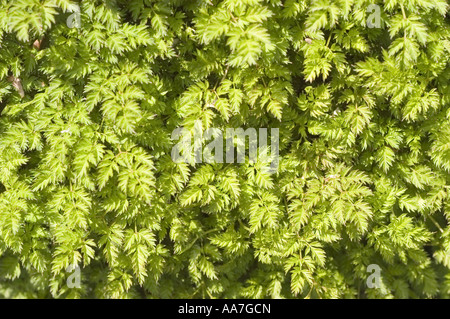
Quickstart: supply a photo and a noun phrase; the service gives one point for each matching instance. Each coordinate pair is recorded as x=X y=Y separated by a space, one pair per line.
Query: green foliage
x=86 y=176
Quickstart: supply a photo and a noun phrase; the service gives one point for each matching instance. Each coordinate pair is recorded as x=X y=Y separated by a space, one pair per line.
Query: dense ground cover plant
x=91 y=91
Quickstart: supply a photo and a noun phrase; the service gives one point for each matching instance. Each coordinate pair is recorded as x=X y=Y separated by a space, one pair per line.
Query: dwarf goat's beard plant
x=91 y=91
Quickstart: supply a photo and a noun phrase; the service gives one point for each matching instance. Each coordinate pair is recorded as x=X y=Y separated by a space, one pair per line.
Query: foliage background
x=86 y=176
